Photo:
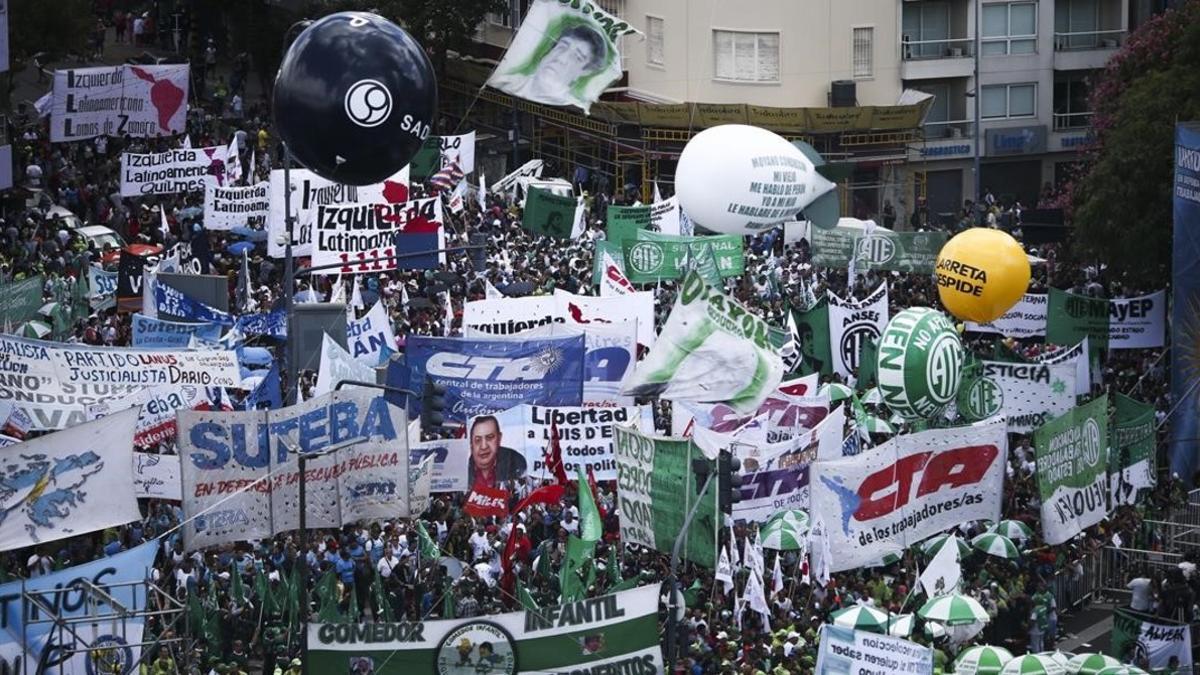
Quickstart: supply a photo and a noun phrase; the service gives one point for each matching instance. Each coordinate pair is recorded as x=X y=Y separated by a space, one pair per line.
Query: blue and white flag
x=271 y=324
x=168 y=300
x=370 y=338
x=149 y=333
x=268 y=394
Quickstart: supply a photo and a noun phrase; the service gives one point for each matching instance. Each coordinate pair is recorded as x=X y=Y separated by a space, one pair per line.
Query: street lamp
x=302 y=459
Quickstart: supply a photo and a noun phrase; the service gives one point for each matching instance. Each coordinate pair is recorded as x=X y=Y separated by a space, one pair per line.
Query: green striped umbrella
x=875 y=424
x=1122 y=670
x=837 y=392
x=885 y=560
x=931 y=546
x=953 y=609
x=1090 y=664
x=861 y=617
x=900 y=625
x=872 y=396
x=997 y=545
x=1059 y=657
x=1033 y=664
x=1013 y=529
x=982 y=660
x=786 y=531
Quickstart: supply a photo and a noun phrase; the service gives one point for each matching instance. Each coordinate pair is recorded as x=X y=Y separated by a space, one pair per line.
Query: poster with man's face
x=562 y=55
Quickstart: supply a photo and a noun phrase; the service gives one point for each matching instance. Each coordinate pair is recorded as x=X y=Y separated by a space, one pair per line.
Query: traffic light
x=729 y=481
x=701 y=467
x=433 y=402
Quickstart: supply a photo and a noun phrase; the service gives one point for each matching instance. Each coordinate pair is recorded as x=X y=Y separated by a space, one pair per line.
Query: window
x=746 y=57
x=1008 y=100
x=654 y=41
x=864 y=52
x=1071 y=109
x=1009 y=28
x=1076 y=24
x=926 y=29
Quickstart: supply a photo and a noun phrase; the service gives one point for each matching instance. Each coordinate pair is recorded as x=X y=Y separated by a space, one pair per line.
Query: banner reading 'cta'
x=172 y=172
x=615 y=633
x=564 y=54
x=908 y=489
x=136 y=101
x=1072 y=470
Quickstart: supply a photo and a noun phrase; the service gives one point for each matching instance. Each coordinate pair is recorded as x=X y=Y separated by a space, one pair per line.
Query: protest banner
x=548 y=214
x=514 y=316
x=812 y=334
x=711 y=350
x=69 y=483
x=1151 y=642
x=1026 y=394
x=1077 y=356
x=156 y=476
x=485 y=502
x=20 y=300
x=853 y=324
x=337 y=365
x=370 y=338
x=1122 y=323
x=171 y=172
x=784 y=417
x=156 y=421
x=666 y=217
x=486 y=376
x=123 y=101
x=657 y=488
x=879 y=249
x=1025 y=319
x=615 y=633
x=355 y=235
x=131 y=277
x=102 y=288
x=31 y=639
x=846 y=650
x=53 y=382
x=227 y=207
x=450 y=458
x=650 y=257
x=169 y=300
x=1131 y=456
x=624 y=222
x=271 y=324
x=458 y=150
x=606 y=249
x=549 y=34
x=151 y=333
x=584 y=434
x=908 y=489
x=310 y=191
x=1072 y=470
x=226 y=451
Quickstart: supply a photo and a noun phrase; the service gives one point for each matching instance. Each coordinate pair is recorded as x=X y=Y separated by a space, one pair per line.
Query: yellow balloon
x=981 y=273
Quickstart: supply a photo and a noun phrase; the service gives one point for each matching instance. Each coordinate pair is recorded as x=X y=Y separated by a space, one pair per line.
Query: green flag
x=549 y=214
x=914 y=252
x=652 y=256
x=812 y=330
x=573 y=577
x=327 y=599
x=236 y=590
x=868 y=358
x=447 y=600
x=658 y=488
x=526 y=600
x=429 y=549
x=691 y=594
x=590 y=526
x=427 y=160
x=212 y=616
x=624 y=223
x=625 y=585
x=1070 y=318
x=611 y=249
x=293 y=592
x=613 y=568
x=1072 y=470
x=20 y=300
x=267 y=596
x=705 y=264
x=383 y=607
x=1131 y=459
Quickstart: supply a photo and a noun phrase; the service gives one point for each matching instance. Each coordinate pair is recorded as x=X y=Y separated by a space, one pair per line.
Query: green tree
x=1121 y=202
x=57 y=27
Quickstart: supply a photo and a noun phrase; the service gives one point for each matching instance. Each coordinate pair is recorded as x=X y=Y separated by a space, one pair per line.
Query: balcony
x=1086 y=50
x=1072 y=121
x=926 y=59
x=949 y=129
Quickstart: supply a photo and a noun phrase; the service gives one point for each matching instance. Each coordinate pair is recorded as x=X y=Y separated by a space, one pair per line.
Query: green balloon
x=919 y=364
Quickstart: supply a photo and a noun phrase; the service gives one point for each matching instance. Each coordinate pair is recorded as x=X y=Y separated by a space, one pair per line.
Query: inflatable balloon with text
x=355 y=98
x=919 y=363
x=739 y=179
x=981 y=273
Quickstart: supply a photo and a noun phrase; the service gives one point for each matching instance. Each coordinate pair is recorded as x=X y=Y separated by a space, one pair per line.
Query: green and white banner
x=1072 y=470
x=1027 y=394
x=1025 y=319
x=564 y=54
x=656 y=488
x=845 y=650
x=711 y=350
x=1131 y=453
x=878 y=250
x=549 y=214
x=615 y=633
x=854 y=323
x=652 y=256
x=1120 y=323
x=20 y=300
x=1152 y=644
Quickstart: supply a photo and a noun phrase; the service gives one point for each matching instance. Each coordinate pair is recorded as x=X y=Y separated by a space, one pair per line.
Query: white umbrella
x=1033 y=664
x=982 y=660
x=954 y=609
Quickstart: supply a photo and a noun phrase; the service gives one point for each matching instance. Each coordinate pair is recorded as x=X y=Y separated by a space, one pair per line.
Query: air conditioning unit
x=956 y=52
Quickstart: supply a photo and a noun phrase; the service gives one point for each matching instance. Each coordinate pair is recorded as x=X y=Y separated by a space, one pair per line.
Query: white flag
x=612 y=278
x=356 y=299
x=491 y=292
x=944 y=571
x=449 y=314
x=777 y=576
x=403 y=296
x=724 y=573
x=253 y=167
x=657 y=195
x=580 y=223
x=336 y=365
x=233 y=162
x=187 y=142
x=337 y=295
x=805 y=570
x=754 y=559
x=457 y=196
x=735 y=554
x=481 y=193
x=757 y=598
x=822 y=557
x=162 y=222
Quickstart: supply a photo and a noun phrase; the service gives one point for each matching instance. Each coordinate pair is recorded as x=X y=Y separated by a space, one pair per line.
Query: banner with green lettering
x=1072 y=470
x=1131 y=458
x=615 y=633
x=652 y=256
x=549 y=214
x=880 y=250
x=624 y=222
x=657 y=488
x=20 y=300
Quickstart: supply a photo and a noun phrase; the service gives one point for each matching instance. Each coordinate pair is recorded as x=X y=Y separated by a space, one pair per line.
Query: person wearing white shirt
x=481 y=548
x=1141 y=588
x=387 y=563
x=569 y=523
x=39 y=565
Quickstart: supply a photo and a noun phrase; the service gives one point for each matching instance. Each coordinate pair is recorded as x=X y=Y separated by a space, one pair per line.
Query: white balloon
x=739 y=179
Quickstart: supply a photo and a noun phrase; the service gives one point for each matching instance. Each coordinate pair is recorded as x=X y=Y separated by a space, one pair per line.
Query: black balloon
x=354 y=98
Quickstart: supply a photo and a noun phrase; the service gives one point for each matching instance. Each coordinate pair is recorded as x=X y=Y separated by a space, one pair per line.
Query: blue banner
x=272 y=324
x=116 y=575
x=151 y=333
x=417 y=242
x=1185 y=320
x=267 y=395
x=484 y=376
x=171 y=301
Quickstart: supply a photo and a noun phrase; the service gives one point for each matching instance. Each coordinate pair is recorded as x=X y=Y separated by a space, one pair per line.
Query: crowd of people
x=242 y=599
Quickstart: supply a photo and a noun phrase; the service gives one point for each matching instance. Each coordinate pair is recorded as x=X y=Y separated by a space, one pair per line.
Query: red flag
x=554 y=458
x=547 y=494
x=507 y=578
x=484 y=502
x=595 y=492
